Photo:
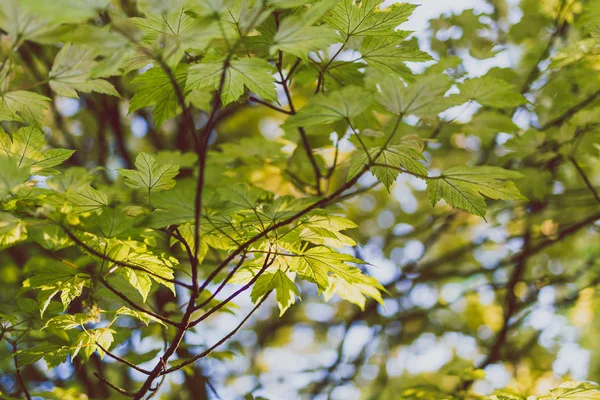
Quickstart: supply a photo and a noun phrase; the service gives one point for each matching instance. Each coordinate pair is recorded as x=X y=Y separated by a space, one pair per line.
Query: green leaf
x=22 y=22
x=300 y=41
x=154 y=88
x=26 y=149
x=174 y=207
x=465 y=187
x=171 y=33
x=67 y=10
x=253 y=73
x=286 y=290
x=72 y=72
x=491 y=92
x=296 y=34
x=505 y=395
x=339 y=105
x=12 y=230
x=318 y=263
x=69 y=321
x=72 y=180
x=391 y=160
x=488 y=123
x=27 y=144
x=54 y=278
x=23 y=106
x=366 y=18
x=149 y=175
x=423 y=97
x=111 y=223
x=51 y=158
x=324 y=230
x=11 y=176
x=576 y=391
x=388 y=55
x=54 y=355
x=139 y=280
x=88 y=342
x=145 y=318
x=87 y=199
x=355 y=288
x=49 y=236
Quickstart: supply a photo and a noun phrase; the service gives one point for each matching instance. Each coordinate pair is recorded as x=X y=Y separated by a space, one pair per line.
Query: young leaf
x=71 y=72
x=22 y=22
x=51 y=158
x=389 y=162
x=174 y=32
x=366 y=18
x=154 y=88
x=355 y=289
x=576 y=391
x=388 y=55
x=67 y=10
x=296 y=34
x=27 y=144
x=465 y=187
x=12 y=230
x=253 y=73
x=53 y=354
x=53 y=278
x=491 y=92
x=149 y=175
x=87 y=199
x=317 y=263
x=139 y=280
x=286 y=290
x=23 y=106
x=11 y=176
x=423 y=97
x=93 y=340
x=145 y=318
x=339 y=105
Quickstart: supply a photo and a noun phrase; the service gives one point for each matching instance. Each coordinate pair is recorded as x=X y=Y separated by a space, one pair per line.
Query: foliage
x=166 y=166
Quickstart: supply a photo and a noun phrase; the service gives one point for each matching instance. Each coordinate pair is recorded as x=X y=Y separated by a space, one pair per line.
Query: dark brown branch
x=114 y=119
x=222 y=304
x=271 y=106
x=135 y=306
x=124 y=264
x=303 y=137
x=292 y=70
x=220 y=342
x=535 y=71
x=122 y=360
x=588 y=183
x=222 y=285
x=201 y=149
x=187 y=116
x=319 y=204
x=113 y=386
x=565 y=116
x=18 y=370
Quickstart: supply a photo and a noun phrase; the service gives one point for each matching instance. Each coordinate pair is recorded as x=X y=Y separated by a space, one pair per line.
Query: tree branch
x=588 y=183
x=220 y=342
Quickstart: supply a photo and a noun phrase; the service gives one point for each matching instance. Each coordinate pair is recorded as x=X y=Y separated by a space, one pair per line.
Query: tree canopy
x=284 y=199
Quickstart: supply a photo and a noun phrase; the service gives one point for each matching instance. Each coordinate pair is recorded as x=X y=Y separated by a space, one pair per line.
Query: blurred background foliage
x=510 y=301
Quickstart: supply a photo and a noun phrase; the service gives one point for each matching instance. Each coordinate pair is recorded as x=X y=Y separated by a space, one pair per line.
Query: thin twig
x=220 y=342
x=271 y=106
x=588 y=183
x=18 y=370
x=113 y=386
